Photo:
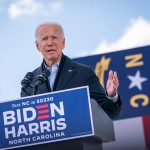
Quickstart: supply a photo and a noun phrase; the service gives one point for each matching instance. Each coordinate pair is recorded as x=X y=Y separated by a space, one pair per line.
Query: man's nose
x=50 y=42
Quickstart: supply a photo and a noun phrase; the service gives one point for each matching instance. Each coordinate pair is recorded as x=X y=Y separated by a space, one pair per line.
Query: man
x=65 y=73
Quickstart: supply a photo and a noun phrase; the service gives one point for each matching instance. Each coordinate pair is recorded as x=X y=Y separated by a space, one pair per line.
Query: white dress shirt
x=53 y=72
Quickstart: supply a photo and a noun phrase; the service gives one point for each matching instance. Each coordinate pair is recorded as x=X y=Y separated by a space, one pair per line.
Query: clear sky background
x=90 y=26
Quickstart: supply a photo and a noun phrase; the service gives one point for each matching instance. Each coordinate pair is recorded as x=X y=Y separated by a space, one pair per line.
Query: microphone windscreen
x=27 y=79
x=40 y=79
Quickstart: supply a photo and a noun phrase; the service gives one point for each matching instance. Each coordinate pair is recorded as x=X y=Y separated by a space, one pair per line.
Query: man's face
x=50 y=42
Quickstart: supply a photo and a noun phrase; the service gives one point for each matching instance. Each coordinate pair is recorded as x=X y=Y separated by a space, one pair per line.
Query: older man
x=66 y=74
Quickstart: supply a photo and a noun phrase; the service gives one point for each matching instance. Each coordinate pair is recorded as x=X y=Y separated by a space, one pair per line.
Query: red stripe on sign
x=43 y=111
x=146 y=124
x=43 y=117
x=42 y=106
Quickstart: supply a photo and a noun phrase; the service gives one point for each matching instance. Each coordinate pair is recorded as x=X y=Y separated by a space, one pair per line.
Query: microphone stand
x=34 y=90
x=23 y=89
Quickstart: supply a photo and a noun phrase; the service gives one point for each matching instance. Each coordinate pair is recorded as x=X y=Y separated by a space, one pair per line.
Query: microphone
x=27 y=80
x=40 y=79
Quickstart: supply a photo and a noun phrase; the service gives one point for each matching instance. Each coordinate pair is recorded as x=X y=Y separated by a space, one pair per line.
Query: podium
x=101 y=126
x=104 y=132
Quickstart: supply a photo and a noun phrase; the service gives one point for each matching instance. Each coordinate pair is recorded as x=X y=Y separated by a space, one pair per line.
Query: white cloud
x=136 y=35
x=34 y=7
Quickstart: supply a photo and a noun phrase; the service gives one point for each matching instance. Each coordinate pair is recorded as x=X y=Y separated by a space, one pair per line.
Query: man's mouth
x=50 y=50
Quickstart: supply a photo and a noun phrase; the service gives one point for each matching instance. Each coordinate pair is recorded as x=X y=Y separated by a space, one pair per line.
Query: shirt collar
x=53 y=66
x=56 y=65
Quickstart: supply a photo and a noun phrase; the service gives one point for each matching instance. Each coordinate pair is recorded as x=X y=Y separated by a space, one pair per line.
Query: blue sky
x=91 y=27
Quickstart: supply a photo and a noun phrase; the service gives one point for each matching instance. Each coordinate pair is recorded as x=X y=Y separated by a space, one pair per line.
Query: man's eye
x=44 y=39
x=54 y=37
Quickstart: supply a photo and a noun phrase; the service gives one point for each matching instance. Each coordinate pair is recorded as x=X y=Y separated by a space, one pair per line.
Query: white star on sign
x=136 y=80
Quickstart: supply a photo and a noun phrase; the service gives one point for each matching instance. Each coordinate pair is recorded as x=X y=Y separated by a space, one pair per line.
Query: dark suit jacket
x=71 y=75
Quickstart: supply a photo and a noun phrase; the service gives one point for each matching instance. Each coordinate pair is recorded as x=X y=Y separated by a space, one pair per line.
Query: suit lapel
x=67 y=73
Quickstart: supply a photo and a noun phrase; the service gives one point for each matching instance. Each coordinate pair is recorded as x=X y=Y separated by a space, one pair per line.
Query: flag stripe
x=43 y=111
x=42 y=106
x=146 y=124
x=43 y=117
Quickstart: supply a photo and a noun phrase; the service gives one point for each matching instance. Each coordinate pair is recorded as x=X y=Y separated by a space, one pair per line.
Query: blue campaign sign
x=50 y=117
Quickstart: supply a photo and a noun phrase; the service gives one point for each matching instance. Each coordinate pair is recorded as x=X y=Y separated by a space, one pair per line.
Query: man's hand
x=112 y=84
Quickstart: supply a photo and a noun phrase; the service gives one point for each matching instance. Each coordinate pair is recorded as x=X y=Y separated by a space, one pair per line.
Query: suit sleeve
x=98 y=93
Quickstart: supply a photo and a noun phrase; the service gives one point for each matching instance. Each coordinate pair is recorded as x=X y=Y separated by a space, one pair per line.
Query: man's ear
x=63 y=43
x=37 y=46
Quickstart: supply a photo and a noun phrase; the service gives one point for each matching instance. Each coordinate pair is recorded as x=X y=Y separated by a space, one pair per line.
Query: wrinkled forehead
x=45 y=29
